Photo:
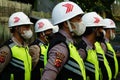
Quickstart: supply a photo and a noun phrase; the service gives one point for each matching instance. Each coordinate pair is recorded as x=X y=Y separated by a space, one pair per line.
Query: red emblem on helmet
x=69 y=7
x=111 y=22
x=16 y=19
x=40 y=24
x=97 y=20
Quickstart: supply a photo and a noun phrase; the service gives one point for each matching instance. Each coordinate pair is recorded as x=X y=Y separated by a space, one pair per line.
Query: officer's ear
x=65 y=25
x=12 y=30
x=17 y=29
x=41 y=34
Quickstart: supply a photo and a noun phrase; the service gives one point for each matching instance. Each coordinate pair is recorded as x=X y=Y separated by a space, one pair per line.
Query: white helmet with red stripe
x=92 y=19
x=43 y=25
x=109 y=23
x=65 y=11
x=18 y=18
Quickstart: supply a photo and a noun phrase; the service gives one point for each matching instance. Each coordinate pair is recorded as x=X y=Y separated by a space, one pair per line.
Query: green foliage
x=103 y=7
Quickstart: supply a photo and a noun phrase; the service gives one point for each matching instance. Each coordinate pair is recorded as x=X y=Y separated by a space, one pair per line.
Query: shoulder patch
x=59 y=59
x=2 y=56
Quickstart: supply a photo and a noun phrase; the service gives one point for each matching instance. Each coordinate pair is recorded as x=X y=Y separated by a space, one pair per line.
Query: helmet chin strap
x=69 y=25
x=45 y=37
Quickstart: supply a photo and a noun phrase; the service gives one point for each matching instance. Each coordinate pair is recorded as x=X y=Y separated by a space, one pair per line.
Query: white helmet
x=109 y=23
x=92 y=19
x=18 y=18
x=43 y=25
x=65 y=11
x=55 y=29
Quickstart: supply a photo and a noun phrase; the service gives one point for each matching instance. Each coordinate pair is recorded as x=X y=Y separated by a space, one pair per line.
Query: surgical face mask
x=27 y=34
x=112 y=35
x=79 y=28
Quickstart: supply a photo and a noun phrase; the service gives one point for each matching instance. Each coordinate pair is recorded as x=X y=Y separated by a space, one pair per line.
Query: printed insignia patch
x=59 y=59
x=2 y=56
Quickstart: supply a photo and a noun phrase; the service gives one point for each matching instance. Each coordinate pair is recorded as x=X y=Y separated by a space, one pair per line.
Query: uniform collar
x=68 y=37
x=89 y=44
x=106 y=39
x=41 y=41
x=18 y=43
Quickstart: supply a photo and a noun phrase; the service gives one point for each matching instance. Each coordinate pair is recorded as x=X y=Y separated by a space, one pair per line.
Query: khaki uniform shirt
x=34 y=51
x=60 y=50
x=82 y=51
x=5 y=54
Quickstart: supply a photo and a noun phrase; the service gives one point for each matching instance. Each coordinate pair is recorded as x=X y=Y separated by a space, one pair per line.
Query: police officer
x=86 y=46
x=105 y=70
x=110 y=53
x=63 y=60
x=15 y=60
x=44 y=31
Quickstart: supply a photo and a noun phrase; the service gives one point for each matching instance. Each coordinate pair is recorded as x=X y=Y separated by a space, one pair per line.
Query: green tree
x=103 y=7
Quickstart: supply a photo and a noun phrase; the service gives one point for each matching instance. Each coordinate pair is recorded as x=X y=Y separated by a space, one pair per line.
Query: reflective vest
x=74 y=67
x=20 y=65
x=40 y=65
x=92 y=64
x=44 y=49
x=103 y=61
x=75 y=55
x=112 y=56
x=91 y=61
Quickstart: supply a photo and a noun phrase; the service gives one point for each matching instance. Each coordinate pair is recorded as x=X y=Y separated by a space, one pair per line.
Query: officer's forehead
x=78 y=17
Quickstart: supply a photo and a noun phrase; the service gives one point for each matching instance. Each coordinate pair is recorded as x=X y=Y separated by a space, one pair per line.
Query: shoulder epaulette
x=9 y=41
